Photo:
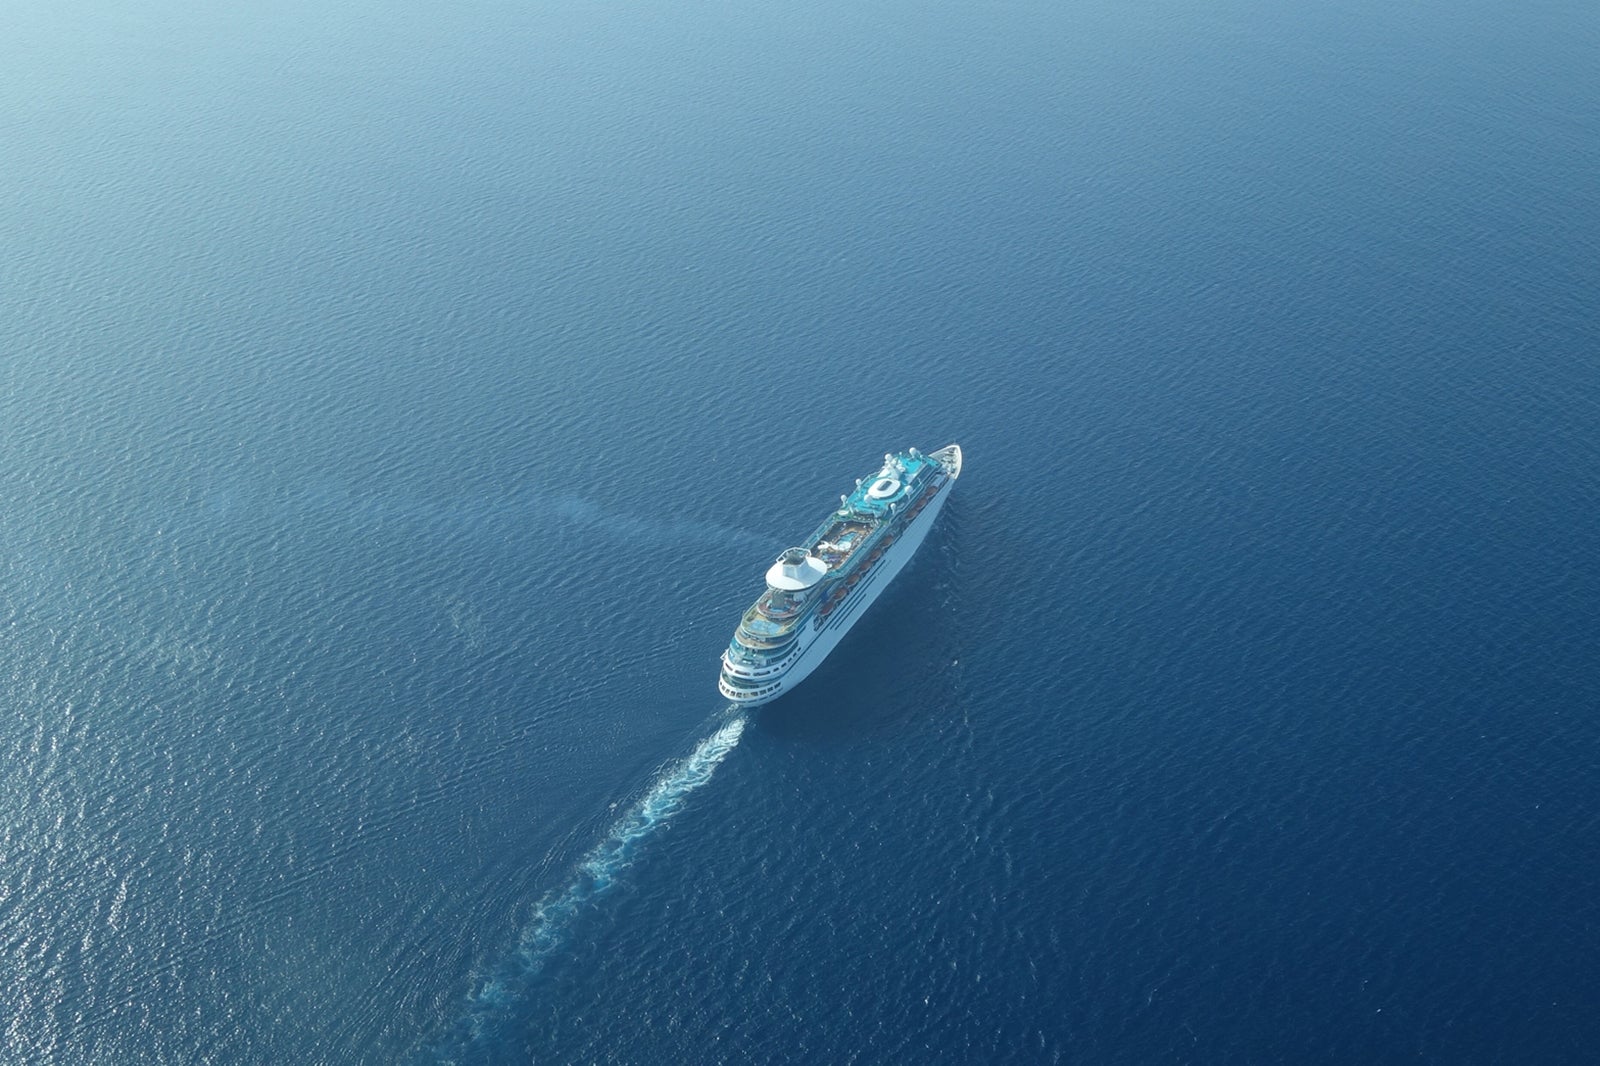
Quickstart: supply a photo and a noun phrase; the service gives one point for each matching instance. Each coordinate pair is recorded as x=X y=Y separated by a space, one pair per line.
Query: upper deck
x=901 y=479
x=851 y=533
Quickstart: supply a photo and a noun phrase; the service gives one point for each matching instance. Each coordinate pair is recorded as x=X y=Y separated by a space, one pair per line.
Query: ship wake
x=497 y=996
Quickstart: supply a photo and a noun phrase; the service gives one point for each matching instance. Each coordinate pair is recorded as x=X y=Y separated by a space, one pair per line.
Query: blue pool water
x=401 y=403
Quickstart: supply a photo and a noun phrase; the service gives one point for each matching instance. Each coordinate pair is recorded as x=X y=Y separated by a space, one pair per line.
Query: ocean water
x=399 y=403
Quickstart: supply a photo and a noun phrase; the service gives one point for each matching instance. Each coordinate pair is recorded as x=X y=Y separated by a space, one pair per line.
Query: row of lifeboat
x=838 y=594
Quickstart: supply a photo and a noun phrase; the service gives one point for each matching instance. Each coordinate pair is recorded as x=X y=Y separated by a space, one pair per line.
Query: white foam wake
x=492 y=1001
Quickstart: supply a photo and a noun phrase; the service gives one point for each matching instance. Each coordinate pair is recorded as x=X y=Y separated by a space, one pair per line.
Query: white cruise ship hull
x=822 y=634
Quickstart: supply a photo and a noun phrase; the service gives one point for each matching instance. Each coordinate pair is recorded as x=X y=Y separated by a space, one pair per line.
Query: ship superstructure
x=816 y=591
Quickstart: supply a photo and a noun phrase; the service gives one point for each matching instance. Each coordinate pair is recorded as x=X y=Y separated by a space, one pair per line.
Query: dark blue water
x=400 y=403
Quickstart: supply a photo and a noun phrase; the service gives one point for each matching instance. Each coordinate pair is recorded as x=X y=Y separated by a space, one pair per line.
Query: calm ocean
x=399 y=403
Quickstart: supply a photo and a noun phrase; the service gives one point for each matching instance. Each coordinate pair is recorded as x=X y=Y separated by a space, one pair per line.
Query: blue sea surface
x=400 y=402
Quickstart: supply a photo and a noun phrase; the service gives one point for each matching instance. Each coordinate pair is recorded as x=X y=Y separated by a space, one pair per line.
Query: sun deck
x=813 y=581
x=847 y=542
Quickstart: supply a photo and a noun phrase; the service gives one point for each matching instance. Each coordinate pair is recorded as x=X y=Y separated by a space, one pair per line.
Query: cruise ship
x=815 y=592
